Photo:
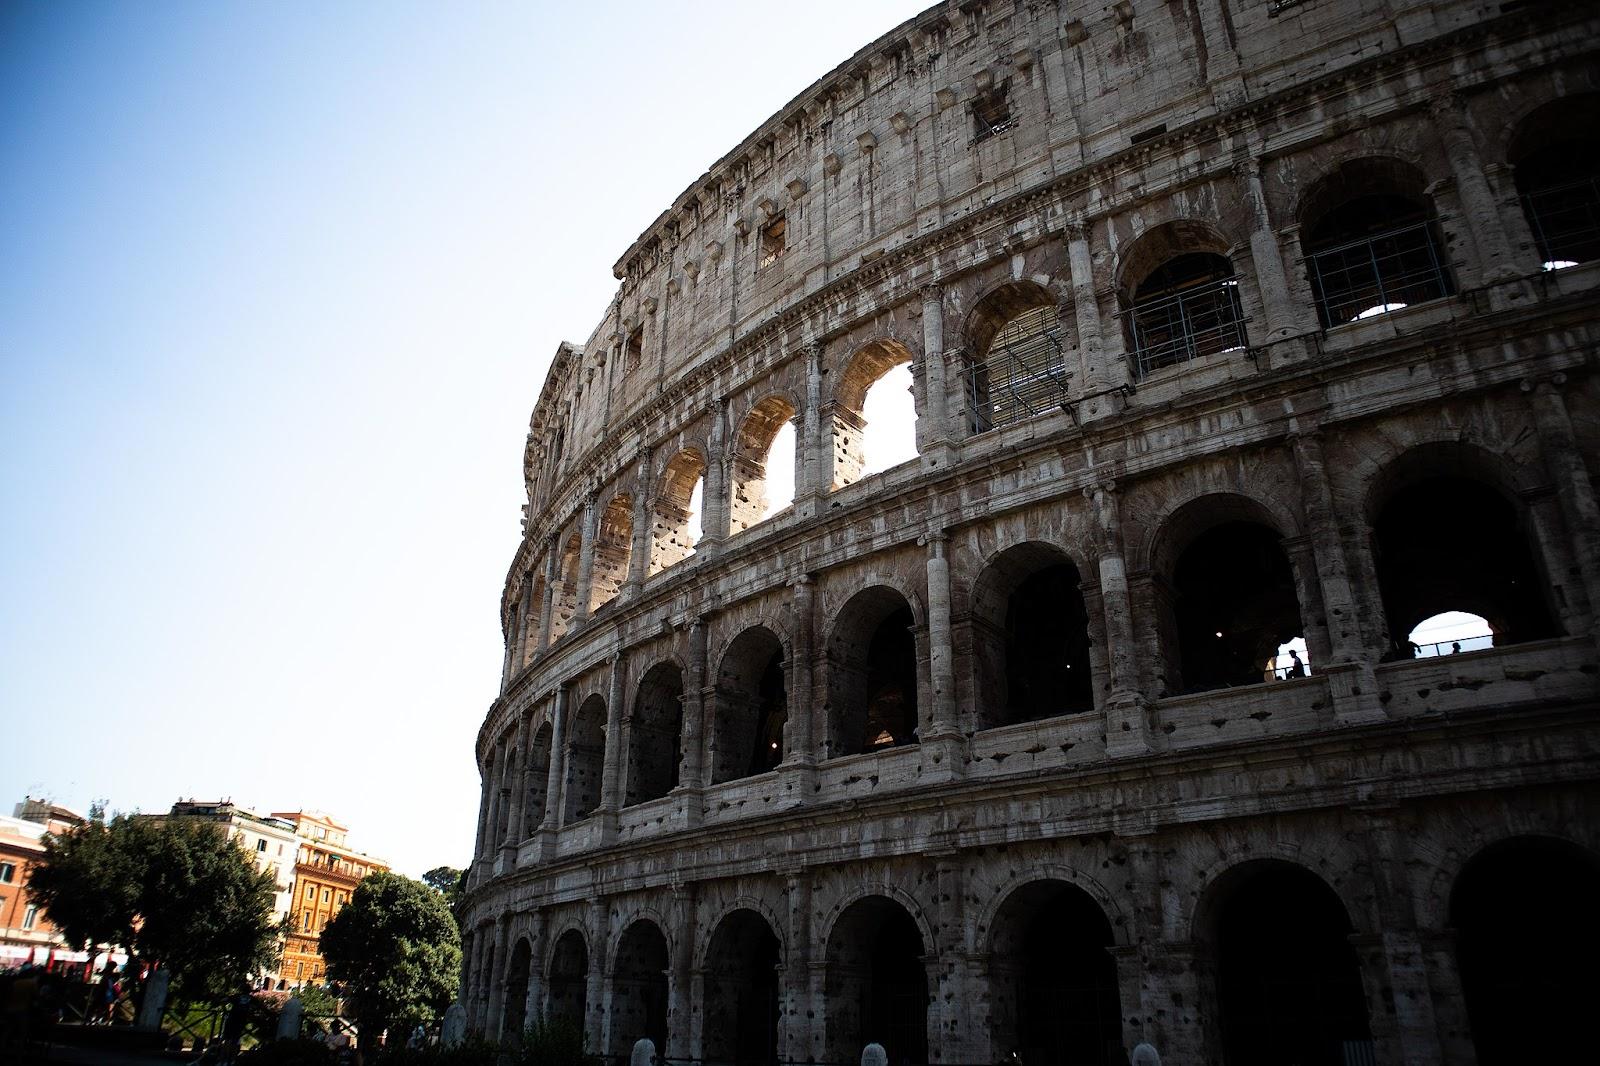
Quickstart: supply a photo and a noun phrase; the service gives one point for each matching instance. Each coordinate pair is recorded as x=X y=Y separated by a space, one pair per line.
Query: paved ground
x=62 y=1055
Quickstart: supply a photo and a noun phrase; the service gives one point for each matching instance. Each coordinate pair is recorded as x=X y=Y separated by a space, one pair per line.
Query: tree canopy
x=395 y=954
x=179 y=892
x=446 y=879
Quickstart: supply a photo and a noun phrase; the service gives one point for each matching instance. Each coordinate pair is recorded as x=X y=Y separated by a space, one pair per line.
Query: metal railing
x=1020 y=380
x=1453 y=647
x=1378 y=274
x=1565 y=220
x=1205 y=320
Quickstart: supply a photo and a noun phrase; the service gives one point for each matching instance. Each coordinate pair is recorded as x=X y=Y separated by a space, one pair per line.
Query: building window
x=311 y=892
x=8 y=872
x=305 y=924
x=30 y=916
x=299 y=970
x=991 y=113
x=635 y=348
x=325 y=895
x=261 y=844
x=773 y=240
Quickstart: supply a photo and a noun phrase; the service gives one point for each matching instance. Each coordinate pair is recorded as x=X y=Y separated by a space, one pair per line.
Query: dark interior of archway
x=586 y=759
x=741 y=992
x=516 y=1006
x=1182 y=273
x=891 y=711
x=1528 y=934
x=878 y=980
x=1055 y=982
x=1235 y=604
x=655 y=738
x=639 y=988
x=569 y=979
x=1560 y=188
x=1362 y=217
x=1453 y=544
x=1373 y=251
x=1289 y=981
x=1047 y=647
x=771 y=712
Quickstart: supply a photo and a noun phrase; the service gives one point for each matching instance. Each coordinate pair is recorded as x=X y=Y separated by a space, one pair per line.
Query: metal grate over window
x=1378 y=274
x=1565 y=220
x=1025 y=374
x=991 y=113
x=1200 y=321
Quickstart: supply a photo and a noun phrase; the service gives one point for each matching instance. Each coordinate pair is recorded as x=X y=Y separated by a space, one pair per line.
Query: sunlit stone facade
x=1235 y=327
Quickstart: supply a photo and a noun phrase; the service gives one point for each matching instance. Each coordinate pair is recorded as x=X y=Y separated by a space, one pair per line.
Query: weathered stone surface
x=943 y=811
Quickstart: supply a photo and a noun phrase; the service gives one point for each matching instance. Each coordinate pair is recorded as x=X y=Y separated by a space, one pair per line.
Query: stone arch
x=869 y=365
x=1278 y=939
x=655 y=733
x=1017 y=355
x=741 y=1008
x=639 y=963
x=877 y=986
x=585 y=759
x=564 y=601
x=874 y=673
x=1051 y=871
x=514 y=1013
x=613 y=549
x=1054 y=994
x=1178 y=287
x=1030 y=635
x=538 y=780
x=750 y=706
x=1445 y=869
x=849 y=896
x=1370 y=234
x=567 y=975
x=1450 y=532
x=674 y=528
x=752 y=444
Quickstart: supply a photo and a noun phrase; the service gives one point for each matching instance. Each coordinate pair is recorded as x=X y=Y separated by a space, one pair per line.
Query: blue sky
x=278 y=286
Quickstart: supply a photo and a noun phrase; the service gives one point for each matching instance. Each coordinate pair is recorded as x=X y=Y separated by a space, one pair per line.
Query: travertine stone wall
x=1139 y=133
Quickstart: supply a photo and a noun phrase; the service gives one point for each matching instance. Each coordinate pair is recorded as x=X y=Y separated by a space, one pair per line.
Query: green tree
x=446 y=879
x=180 y=893
x=394 y=953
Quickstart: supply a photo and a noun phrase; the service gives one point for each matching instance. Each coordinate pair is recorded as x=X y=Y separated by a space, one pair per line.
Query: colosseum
x=1076 y=542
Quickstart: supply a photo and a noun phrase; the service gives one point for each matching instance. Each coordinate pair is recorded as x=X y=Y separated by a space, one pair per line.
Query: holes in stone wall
x=676 y=515
x=655 y=735
x=873 y=417
x=639 y=988
x=567 y=994
x=613 y=547
x=515 y=1017
x=876 y=985
x=586 y=752
x=763 y=464
x=872 y=674
x=751 y=707
x=1030 y=634
x=741 y=1007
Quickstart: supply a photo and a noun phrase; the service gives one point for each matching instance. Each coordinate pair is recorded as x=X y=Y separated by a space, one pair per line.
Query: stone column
x=471 y=970
x=552 y=787
x=519 y=794
x=714 y=508
x=639 y=553
x=951 y=1022
x=1285 y=317
x=1126 y=714
x=691 y=764
x=1574 y=489
x=1094 y=376
x=600 y=989
x=799 y=729
x=485 y=805
x=935 y=437
x=497 y=976
x=680 y=998
x=552 y=572
x=611 y=766
x=513 y=659
x=1478 y=203
x=939 y=733
x=587 y=534
x=1297 y=274
x=794 y=1027
x=1438 y=949
x=1308 y=596
x=534 y=1008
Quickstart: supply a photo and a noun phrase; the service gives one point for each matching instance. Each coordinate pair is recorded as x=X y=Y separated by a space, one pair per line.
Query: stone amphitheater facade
x=1230 y=322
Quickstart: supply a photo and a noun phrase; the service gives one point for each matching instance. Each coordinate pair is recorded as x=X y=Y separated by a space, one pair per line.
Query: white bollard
x=644 y=1053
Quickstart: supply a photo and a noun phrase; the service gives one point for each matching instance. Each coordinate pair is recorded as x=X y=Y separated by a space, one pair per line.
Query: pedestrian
x=1296 y=667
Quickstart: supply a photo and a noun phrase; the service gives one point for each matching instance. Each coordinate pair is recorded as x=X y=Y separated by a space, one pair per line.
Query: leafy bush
x=558 y=1042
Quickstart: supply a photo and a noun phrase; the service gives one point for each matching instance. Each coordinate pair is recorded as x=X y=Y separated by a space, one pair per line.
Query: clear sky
x=278 y=287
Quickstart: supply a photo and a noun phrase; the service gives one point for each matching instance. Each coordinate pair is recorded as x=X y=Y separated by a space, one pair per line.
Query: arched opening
x=872 y=674
x=1370 y=241
x=1180 y=296
x=1555 y=154
x=751 y=707
x=763 y=464
x=1287 y=974
x=567 y=992
x=874 y=413
x=1233 y=601
x=1527 y=933
x=564 y=604
x=655 y=736
x=639 y=988
x=613 y=547
x=876 y=985
x=1053 y=982
x=1445 y=542
x=1030 y=637
x=531 y=615
x=675 y=517
x=537 y=780
x=586 y=752
x=741 y=991
x=1019 y=367
x=1450 y=633
x=514 y=1018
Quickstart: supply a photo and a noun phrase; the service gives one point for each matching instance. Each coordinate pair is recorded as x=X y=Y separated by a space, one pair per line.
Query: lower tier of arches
x=1429 y=931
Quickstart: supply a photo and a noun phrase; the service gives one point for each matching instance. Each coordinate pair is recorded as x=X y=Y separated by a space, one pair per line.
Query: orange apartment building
x=326 y=873
x=26 y=934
